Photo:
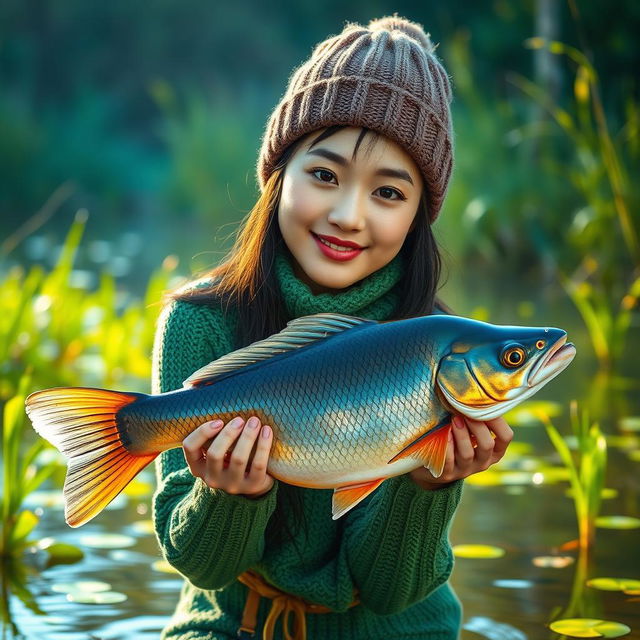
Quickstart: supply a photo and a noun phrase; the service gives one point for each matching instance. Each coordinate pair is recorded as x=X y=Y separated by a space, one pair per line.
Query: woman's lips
x=334 y=254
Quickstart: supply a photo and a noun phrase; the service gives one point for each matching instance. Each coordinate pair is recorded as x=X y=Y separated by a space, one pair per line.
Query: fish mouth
x=555 y=361
x=549 y=366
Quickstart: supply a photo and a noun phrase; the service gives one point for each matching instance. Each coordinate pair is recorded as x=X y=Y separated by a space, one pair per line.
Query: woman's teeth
x=335 y=246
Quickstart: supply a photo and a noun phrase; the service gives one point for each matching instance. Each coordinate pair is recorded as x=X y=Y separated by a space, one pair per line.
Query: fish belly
x=340 y=410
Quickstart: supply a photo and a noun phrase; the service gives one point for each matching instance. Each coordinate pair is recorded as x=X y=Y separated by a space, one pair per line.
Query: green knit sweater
x=393 y=547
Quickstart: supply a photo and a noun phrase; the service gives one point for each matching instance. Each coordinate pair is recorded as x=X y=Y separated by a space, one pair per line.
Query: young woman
x=353 y=169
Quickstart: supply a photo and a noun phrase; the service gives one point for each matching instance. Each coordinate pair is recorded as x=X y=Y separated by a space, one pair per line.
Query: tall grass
x=586 y=472
x=63 y=335
x=68 y=335
x=22 y=473
x=604 y=280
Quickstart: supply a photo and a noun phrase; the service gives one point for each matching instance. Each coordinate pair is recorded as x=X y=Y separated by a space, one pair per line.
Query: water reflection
x=493 y=630
x=540 y=578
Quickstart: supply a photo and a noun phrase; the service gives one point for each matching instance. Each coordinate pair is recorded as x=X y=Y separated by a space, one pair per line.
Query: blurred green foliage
x=587 y=468
x=156 y=117
x=157 y=114
x=54 y=333
x=69 y=336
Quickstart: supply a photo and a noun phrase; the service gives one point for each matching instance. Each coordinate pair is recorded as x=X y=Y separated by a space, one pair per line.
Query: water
x=506 y=598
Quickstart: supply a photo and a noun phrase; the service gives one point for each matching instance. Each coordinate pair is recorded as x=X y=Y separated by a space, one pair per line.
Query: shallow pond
x=528 y=516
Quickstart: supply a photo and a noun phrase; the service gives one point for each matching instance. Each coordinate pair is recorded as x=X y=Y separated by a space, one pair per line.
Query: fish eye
x=513 y=357
x=540 y=344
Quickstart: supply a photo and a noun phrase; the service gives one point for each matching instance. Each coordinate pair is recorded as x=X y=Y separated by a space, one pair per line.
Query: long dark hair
x=246 y=281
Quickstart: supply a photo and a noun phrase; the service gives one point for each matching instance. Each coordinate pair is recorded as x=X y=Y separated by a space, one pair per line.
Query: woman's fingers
x=464 y=448
x=258 y=469
x=239 y=458
x=231 y=457
x=195 y=444
x=504 y=435
x=485 y=443
x=219 y=447
x=450 y=458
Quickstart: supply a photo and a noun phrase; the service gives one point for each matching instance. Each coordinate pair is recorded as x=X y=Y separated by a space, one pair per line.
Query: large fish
x=351 y=402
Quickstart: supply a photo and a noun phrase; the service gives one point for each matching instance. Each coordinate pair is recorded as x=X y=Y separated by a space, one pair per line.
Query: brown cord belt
x=283 y=604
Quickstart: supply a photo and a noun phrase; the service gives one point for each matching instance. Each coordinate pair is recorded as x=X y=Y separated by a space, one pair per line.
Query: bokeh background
x=129 y=134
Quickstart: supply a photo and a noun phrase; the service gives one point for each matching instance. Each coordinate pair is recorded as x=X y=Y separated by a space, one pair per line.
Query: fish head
x=490 y=369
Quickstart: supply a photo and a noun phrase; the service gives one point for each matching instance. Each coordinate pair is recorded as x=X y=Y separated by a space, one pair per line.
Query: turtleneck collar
x=373 y=297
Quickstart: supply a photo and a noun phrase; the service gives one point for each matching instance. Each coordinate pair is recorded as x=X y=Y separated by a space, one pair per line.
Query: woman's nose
x=349 y=213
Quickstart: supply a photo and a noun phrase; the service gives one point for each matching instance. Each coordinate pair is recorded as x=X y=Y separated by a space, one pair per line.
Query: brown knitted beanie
x=385 y=77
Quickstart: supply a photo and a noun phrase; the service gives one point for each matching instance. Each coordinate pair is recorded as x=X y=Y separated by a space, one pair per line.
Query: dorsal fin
x=298 y=333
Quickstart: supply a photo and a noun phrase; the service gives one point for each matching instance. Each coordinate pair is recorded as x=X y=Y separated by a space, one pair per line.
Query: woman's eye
x=326 y=175
x=390 y=190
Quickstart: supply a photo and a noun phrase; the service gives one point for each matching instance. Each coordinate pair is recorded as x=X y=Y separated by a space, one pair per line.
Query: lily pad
x=163 y=567
x=107 y=541
x=516 y=477
x=606 y=494
x=518 y=448
x=45 y=499
x=495 y=478
x=630 y=423
x=528 y=413
x=555 y=474
x=138 y=488
x=60 y=552
x=84 y=586
x=628 y=585
x=589 y=628
x=618 y=522
x=101 y=597
x=626 y=441
x=144 y=527
x=513 y=584
x=477 y=551
x=553 y=562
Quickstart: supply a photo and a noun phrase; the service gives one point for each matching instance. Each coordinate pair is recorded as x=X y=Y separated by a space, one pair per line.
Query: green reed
x=604 y=280
x=62 y=335
x=21 y=474
x=68 y=335
x=587 y=468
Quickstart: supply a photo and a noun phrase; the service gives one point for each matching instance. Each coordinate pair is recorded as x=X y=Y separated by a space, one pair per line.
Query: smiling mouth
x=337 y=246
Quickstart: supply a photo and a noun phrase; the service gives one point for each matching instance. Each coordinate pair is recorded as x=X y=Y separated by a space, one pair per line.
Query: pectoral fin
x=430 y=449
x=345 y=498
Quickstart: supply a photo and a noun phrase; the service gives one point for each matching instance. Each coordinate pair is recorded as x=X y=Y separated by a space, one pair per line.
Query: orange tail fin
x=81 y=423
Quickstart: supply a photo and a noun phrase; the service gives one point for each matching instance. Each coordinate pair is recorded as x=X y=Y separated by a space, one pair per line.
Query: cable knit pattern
x=373 y=297
x=393 y=547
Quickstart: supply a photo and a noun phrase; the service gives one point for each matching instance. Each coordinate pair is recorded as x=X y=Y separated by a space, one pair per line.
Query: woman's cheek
x=299 y=203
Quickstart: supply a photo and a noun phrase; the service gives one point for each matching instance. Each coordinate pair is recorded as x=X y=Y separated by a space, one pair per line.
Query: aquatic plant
x=22 y=473
x=68 y=335
x=586 y=472
x=604 y=280
x=62 y=335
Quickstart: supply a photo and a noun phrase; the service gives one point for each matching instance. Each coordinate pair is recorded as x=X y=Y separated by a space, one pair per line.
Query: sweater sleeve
x=209 y=536
x=397 y=543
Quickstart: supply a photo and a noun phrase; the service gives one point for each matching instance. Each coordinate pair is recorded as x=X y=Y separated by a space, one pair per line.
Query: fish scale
x=351 y=402
x=382 y=402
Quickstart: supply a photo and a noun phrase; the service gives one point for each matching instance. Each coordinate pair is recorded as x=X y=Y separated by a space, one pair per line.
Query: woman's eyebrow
x=338 y=159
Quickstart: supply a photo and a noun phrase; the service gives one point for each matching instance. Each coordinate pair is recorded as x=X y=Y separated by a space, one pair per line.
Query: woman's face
x=370 y=201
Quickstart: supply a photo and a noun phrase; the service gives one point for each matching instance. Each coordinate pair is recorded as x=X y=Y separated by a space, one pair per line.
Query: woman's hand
x=464 y=456
x=221 y=455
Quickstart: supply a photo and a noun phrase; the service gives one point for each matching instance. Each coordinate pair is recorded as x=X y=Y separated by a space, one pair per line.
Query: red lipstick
x=336 y=254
